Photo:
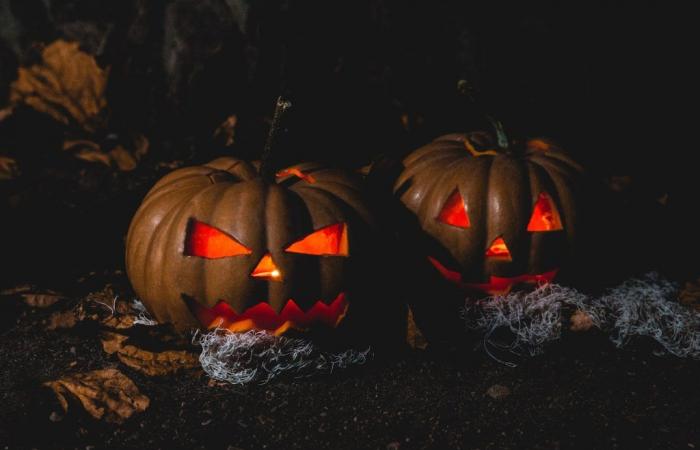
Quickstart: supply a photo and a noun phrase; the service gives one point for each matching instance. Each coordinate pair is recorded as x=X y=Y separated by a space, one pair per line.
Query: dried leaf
x=147 y=362
x=414 y=337
x=112 y=342
x=119 y=322
x=122 y=158
x=5 y=113
x=39 y=300
x=68 y=85
x=8 y=168
x=119 y=156
x=581 y=321
x=63 y=319
x=690 y=294
x=227 y=130
x=87 y=151
x=21 y=289
x=105 y=394
x=498 y=392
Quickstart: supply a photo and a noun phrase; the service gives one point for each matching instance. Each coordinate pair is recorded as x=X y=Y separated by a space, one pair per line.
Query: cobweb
x=257 y=356
x=639 y=307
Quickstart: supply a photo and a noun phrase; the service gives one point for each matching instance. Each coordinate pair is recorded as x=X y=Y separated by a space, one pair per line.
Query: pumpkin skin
x=496 y=240
x=269 y=221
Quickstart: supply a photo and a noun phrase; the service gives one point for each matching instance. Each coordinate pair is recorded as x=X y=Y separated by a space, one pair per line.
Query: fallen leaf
x=63 y=319
x=414 y=337
x=690 y=294
x=119 y=156
x=68 y=85
x=498 y=392
x=581 y=321
x=119 y=322
x=5 y=113
x=9 y=169
x=105 y=394
x=17 y=290
x=122 y=158
x=112 y=342
x=39 y=300
x=147 y=362
x=227 y=130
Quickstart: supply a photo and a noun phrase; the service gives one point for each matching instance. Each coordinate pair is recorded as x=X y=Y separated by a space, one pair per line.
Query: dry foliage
x=581 y=321
x=8 y=168
x=227 y=130
x=32 y=297
x=105 y=394
x=414 y=337
x=68 y=85
x=63 y=319
x=147 y=362
x=690 y=294
x=120 y=157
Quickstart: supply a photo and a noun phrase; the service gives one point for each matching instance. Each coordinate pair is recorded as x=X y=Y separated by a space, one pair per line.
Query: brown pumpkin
x=494 y=217
x=217 y=245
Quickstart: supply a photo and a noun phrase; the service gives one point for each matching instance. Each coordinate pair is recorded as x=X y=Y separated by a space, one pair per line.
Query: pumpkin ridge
x=147 y=253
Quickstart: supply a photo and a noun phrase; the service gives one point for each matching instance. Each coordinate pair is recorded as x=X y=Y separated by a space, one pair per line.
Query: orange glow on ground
x=454 y=212
x=331 y=241
x=545 y=216
x=297 y=173
x=263 y=317
x=267 y=269
x=208 y=242
x=499 y=250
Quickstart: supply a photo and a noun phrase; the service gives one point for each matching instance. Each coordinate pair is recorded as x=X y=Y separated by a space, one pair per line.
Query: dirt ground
x=582 y=393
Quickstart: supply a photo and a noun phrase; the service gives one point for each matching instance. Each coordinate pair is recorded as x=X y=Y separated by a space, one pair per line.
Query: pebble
x=498 y=392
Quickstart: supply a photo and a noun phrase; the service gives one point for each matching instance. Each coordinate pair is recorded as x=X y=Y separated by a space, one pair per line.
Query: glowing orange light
x=297 y=173
x=503 y=285
x=263 y=317
x=499 y=250
x=331 y=241
x=454 y=212
x=448 y=274
x=545 y=216
x=496 y=285
x=208 y=242
x=267 y=269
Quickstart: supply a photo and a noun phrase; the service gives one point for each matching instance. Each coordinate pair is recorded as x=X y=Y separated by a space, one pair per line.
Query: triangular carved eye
x=454 y=212
x=206 y=241
x=328 y=241
x=545 y=216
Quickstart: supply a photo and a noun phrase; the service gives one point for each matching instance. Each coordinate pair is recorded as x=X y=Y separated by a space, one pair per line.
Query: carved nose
x=267 y=269
x=499 y=250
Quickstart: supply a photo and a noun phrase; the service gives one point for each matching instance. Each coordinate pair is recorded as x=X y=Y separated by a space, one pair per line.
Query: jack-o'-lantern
x=223 y=245
x=495 y=217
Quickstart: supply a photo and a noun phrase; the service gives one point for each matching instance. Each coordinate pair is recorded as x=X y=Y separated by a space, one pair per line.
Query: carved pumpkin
x=219 y=246
x=494 y=217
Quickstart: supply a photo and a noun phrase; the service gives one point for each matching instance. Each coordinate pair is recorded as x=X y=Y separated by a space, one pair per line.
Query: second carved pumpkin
x=494 y=217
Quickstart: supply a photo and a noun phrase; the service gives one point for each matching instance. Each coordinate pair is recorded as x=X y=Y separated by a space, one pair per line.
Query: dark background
x=610 y=81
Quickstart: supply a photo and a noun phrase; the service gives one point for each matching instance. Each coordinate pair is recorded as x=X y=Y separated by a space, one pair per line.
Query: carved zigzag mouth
x=495 y=285
x=263 y=317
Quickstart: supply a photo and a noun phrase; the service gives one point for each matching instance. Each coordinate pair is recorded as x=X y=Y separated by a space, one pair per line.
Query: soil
x=582 y=393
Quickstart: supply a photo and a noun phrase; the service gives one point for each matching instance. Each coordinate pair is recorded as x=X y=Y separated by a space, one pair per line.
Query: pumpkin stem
x=267 y=164
x=467 y=91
